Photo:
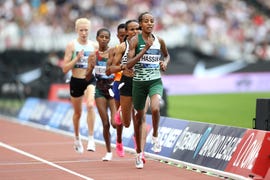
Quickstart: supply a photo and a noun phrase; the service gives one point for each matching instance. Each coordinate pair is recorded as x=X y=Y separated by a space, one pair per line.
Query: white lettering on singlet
x=100 y=70
x=150 y=59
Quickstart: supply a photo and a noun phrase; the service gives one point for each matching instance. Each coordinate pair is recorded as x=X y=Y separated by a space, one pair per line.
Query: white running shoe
x=78 y=146
x=91 y=145
x=156 y=145
x=107 y=157
x=139 y=161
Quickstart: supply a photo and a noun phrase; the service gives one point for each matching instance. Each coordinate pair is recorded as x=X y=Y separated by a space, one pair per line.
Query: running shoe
x=78 y=146
x=138 y=161
x=135 y=147
x=107 y=157
x=117 y=117
x=120 y=150
x=143 y=158
x=91 y=145
x=156 y=145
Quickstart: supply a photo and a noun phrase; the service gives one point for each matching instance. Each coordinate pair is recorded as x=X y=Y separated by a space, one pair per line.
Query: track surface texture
x=28 y=152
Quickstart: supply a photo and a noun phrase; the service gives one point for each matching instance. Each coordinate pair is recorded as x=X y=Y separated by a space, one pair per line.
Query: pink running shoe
x=120 y=150
x=117 y=117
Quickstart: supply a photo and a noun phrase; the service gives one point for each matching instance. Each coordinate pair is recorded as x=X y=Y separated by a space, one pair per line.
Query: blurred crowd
x=230 y=29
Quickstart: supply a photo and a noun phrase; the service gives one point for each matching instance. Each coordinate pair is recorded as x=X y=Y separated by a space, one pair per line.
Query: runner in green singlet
x=145 y=52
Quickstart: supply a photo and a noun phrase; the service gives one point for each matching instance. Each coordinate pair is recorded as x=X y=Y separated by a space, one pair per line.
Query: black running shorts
x=78 y=86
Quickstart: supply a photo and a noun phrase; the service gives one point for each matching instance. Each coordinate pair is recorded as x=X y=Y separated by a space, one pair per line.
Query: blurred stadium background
x=34 y=33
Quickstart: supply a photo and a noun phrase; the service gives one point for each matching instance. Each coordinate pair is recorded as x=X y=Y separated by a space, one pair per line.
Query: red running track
x=28 y=153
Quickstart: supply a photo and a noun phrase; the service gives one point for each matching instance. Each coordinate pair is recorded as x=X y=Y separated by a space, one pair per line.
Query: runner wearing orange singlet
x=121 y=34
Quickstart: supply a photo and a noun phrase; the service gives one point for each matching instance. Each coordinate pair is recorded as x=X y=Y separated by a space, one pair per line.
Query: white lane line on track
x=43 y=160
x=60 y=162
